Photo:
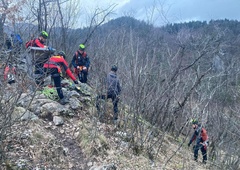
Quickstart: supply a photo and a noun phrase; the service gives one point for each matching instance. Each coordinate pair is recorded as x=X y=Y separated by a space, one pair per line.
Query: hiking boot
x=63 y=101
x=204 y=161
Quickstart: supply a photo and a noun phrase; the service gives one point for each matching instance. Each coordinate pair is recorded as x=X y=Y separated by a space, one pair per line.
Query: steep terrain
x=52 y=136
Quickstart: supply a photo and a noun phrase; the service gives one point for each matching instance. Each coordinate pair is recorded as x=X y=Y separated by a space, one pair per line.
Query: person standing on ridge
x=113 y=91
x=53 y=67
x=201 y=137
x=81 y=63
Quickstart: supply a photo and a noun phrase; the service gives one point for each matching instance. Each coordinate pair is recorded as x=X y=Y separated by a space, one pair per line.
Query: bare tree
x=8 y=10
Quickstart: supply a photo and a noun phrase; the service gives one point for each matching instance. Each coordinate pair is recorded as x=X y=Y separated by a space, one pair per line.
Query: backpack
x=204 y=134
x=30 y=43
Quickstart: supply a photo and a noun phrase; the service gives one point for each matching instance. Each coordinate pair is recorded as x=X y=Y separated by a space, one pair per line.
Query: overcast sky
x=161 y=12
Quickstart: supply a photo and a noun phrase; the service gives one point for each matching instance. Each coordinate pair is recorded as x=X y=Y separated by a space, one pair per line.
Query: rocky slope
x=47 y=135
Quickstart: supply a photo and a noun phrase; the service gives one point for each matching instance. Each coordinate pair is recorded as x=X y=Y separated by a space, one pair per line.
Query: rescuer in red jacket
x=38 y=42
x=53 y=66
x=39 y=59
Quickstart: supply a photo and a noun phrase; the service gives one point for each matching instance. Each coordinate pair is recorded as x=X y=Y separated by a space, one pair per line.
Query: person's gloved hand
x=189 y=144
x=75 y=82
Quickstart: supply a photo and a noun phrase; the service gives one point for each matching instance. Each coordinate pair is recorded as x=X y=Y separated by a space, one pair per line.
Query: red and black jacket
x=35 y=43
x=59 y=62
x=80 y=59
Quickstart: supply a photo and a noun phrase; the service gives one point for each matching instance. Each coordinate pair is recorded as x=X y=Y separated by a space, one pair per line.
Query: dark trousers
x=114 y=101
x=56 y=79
x=83 y=76
x=203 y=150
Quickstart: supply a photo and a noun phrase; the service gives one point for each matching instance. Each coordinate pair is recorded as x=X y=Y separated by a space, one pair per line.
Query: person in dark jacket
x=9 y=44
x=81 y=63
x=53 y=66
x=113 y=91
x=201 y=137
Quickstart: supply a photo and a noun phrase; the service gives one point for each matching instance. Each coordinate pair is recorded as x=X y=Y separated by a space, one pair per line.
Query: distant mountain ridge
x=127 y=23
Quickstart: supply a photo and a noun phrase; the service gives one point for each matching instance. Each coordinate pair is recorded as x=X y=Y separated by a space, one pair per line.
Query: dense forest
x=169 y=74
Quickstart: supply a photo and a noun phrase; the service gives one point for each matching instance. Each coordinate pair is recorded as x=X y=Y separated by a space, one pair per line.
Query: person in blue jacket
x=17 y=42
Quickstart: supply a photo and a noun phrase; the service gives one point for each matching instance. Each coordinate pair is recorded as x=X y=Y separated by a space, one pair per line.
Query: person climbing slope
x=201 y=138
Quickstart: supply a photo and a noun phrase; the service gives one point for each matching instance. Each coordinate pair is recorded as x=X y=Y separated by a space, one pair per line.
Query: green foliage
x=50 y=93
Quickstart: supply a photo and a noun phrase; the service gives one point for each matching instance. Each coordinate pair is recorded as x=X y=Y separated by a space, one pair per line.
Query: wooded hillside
x=169 y=74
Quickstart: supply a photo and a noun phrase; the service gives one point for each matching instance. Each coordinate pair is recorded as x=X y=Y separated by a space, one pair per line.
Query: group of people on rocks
x=81 y=64
x=80 y=59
